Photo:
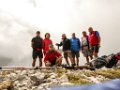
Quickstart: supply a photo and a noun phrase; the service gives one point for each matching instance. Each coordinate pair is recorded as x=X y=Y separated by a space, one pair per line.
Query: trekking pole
x=58 y=47
x=0 y=68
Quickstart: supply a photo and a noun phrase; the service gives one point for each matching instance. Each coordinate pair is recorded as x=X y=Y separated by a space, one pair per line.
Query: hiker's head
x=51 y=47
x=38 y=33
x=47 y=35
x=64 y=36
x=73 y=35
x=84 y=33
x=90 y=29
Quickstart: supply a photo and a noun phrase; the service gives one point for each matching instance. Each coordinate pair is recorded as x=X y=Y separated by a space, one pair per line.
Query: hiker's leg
x=96 y=51
x=34 y=58
x=66 y=58
x=90 y=54
x=77 y=57
x=77 y=61
x=87 y=59
x=40 y=62
x=73 y=56
x=40 y=54
x=34 y=62
x=95 y=54
x=72 y=62
x=93 y=51
x=67 y=62
x=72 y=59
x=91 y=57
x=59 y=61
x=69 y=53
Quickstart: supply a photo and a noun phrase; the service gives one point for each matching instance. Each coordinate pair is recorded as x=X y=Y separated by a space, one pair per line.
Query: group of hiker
x=89 y=45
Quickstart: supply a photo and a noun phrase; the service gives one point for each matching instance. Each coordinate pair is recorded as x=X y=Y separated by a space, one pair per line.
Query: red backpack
x=118 y=56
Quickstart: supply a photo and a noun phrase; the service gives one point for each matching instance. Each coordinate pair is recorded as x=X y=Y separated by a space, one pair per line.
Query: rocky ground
x=45 y=79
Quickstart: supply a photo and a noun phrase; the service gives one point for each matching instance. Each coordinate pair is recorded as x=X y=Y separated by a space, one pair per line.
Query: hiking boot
x=73 y=65
x=33 y=65
x=77 y=65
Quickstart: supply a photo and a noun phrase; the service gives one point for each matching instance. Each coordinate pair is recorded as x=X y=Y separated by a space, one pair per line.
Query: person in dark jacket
x=75 y=48
x=66 y=49
x=37 y=45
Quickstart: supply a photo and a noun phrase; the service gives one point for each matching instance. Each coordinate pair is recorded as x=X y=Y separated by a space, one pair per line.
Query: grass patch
x=77 y=79
x=60 y=72
x=111 y=73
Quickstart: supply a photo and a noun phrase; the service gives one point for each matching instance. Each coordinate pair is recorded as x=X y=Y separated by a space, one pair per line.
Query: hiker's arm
x=32 y=43
x=47 y=64
x=59 y=60
x=99 y=40
x=59 y=44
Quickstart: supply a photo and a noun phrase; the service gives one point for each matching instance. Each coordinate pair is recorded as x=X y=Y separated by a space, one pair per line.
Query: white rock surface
x=43 y=80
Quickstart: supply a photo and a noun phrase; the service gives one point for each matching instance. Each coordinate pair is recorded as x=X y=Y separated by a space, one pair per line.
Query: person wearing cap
x=37 y=46
x=52 y=57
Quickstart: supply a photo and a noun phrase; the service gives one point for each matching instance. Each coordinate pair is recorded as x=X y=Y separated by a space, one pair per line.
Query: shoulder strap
x=96 y=33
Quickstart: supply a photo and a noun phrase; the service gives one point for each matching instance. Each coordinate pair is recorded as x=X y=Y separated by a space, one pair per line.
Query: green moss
x=110 y=74
x=77 y=79
x=60 y=72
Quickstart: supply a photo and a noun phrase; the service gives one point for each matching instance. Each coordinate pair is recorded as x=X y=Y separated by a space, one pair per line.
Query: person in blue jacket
x=75 y=48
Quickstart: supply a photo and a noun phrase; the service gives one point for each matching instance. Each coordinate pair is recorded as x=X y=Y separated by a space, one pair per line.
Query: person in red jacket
x=47 y=41
x=95 y=40
x=52 y=57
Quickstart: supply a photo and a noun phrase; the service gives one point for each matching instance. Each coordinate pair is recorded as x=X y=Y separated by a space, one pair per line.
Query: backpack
x=107 y=61
x=118 y=56
x=111 y=61
x=99 y=62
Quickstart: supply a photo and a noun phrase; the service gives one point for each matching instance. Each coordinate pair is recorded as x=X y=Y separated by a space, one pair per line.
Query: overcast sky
x=19 y=19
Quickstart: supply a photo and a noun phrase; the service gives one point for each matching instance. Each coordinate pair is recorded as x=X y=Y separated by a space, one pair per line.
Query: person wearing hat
x=52 y=57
